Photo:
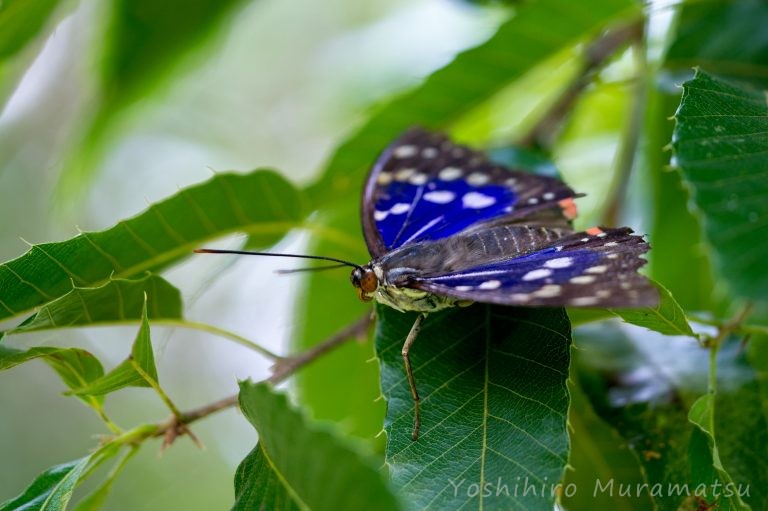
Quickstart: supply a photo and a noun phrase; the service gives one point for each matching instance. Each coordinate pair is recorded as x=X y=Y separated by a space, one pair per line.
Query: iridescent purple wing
x=596 y=268
x=424 y=187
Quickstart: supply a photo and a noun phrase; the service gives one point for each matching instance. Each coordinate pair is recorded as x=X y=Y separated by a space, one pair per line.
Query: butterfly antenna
x=314 y=268
x=340 y=262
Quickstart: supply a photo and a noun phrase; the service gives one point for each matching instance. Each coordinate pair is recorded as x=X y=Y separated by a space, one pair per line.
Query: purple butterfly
x=446 y=227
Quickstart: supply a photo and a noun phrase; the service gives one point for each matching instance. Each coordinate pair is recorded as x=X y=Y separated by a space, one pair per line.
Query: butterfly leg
x=409 y=372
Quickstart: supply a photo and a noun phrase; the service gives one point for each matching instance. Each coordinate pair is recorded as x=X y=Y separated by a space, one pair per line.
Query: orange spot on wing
x=594 y=231
x=569 y=208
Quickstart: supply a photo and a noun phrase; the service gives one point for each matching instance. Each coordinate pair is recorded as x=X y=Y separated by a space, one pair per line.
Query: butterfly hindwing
x=596 y=268
x=424 y=187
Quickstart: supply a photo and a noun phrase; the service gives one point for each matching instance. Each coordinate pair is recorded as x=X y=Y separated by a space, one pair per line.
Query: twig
x=544 y=133
x=625 y=158
x=177 y=424
x=287 y=366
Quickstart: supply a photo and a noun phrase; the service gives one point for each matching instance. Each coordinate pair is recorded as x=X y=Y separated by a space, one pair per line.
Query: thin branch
x=627 y=152
x=544 y=133
x=177 y=424
x=287 y=366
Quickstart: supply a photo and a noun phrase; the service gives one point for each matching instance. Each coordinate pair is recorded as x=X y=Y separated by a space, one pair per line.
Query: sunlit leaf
x=720 y=142
x=138 y=370
x=666 y=318
x=473 y=76
x=257 y=203
x=301 y=465
x=494 y=401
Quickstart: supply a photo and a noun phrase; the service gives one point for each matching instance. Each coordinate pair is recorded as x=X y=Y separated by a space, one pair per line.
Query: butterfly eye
x=365 y=281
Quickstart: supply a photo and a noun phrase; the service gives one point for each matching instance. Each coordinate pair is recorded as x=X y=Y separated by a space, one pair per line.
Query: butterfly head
x=365 y=281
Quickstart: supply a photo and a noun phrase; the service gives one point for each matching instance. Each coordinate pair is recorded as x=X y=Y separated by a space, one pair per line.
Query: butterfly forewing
x=424 y=187
x=597 y=268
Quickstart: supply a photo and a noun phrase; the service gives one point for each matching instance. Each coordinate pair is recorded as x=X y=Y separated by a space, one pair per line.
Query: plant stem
x=625 y=157
x=177 y=423
x=545 y=132
x=287 y=366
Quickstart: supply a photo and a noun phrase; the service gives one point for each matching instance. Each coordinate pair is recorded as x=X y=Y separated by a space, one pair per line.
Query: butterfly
x=447 y=227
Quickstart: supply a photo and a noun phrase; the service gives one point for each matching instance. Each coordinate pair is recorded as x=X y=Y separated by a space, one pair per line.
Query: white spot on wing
x=450 y=173
x=596 y=269
x=560 y=262
x=478 y=178
x=582 y=279
x=399 y=208
x=490 y=284
x=380 y=215
x=463 y=288
x=439 y=196
x=533 y=200
x=476 y=200
x=584 y=301
x=549 y=291
x=537 y=274
x=384 y=178
x=548 y=196
x=404 y=174
x=404 y=151
x=610 y=244
x=520 y=297
x=429 y=152
x=418 y=179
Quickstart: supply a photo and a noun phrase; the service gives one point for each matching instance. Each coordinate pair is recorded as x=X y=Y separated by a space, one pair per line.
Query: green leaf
x=260 y=202
x=494 y=401
x=96 y=499
x=720 y=144
x=74 y=366
x=301 y=464
x=701 y=415
x=258 y=485
x=666 y=318
x=138 y=370
x=20 y=21
x=472 y=77
x=51 y=490
x=117 y=301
